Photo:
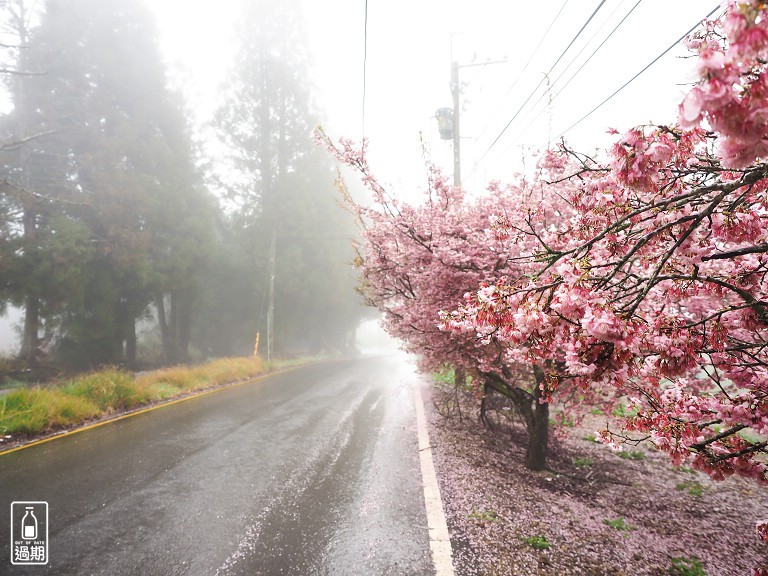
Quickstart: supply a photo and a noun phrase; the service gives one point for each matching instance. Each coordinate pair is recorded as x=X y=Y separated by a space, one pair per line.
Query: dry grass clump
x=175 y=380
x=36 y=410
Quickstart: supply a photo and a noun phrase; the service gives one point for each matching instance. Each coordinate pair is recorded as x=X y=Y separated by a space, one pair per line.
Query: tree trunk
x=538 y=427
x=30 y=338
x=166 y=335
x=459 y=376
x=534 y=413
x=182 y=304
x=483 y=407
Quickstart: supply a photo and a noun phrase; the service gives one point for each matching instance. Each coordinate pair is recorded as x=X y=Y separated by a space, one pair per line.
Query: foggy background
x=158 y=153
x=410 y=47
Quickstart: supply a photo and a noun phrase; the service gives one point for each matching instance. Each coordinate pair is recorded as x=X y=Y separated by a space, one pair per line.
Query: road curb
x=439 y=539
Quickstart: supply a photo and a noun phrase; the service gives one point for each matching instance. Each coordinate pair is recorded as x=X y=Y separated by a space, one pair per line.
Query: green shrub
x=686 y=567
x=619 y=524
x=538 y=542
x=631 y=454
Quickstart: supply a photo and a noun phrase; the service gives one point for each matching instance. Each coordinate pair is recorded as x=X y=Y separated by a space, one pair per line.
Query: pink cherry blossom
x=418 y=260
x=641 y=272
x=657 y=280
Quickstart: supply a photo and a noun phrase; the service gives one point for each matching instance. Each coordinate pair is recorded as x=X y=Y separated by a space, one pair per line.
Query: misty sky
x=410 y=45
x=408 y=72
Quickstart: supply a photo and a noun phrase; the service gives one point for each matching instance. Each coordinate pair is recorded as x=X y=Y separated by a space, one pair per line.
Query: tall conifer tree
x=114 y=158
x=282 y=185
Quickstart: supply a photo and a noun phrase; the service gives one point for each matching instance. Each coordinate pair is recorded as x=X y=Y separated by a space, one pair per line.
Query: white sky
x=408 y=72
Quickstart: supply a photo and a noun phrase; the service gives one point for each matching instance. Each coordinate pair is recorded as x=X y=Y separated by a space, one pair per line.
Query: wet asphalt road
x=310 y=472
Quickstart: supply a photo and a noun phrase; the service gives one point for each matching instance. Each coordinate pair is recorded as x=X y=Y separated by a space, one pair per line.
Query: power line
x=530 y=59
x=595 y=35
x=542 y=81
x=482 y=158
x=589 y=58
x=628 y=82
x=365 y=60
x=596 y=50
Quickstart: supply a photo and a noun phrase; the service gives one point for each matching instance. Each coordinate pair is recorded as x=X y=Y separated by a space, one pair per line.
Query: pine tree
x=282 y=187
x=116 y=161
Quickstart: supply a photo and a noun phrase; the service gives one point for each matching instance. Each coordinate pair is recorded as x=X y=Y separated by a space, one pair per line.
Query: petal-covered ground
x=596 y=513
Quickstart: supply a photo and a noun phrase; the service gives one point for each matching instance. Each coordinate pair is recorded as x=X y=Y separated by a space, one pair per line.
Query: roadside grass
x=693 y=487
x=38 y=409
x=32 y=410
x=109 y=390
x=583 y=462
x=631 y=455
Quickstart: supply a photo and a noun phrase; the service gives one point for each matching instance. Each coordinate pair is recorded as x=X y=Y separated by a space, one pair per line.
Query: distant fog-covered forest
x=122 y=239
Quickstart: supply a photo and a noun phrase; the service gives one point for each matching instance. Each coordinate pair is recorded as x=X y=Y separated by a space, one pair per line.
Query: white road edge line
x=439 y=539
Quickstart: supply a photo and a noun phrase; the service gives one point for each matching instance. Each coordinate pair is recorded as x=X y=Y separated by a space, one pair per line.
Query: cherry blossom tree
x=420 y=259
x=655 y=285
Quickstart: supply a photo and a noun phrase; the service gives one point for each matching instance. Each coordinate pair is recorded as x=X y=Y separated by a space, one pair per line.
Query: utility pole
x=455 y=92
x=271 y=308
x=460 y=374
x=455 y=89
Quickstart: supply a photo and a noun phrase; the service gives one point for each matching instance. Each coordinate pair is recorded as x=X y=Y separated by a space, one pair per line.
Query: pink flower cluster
x=420 y=259
x=654 y=278
x=643 y=274
x=731 y=95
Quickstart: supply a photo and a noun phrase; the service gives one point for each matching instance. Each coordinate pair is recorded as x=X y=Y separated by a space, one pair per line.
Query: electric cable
x=596 y=50
x=520 y=75
x=589 y=58
x=664 y=53
x=628 y=82
x=597 y=32
x=528 y=99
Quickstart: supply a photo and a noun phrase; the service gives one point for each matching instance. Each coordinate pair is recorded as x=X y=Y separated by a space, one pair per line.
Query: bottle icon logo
x=29 y=533
x=29 y=524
